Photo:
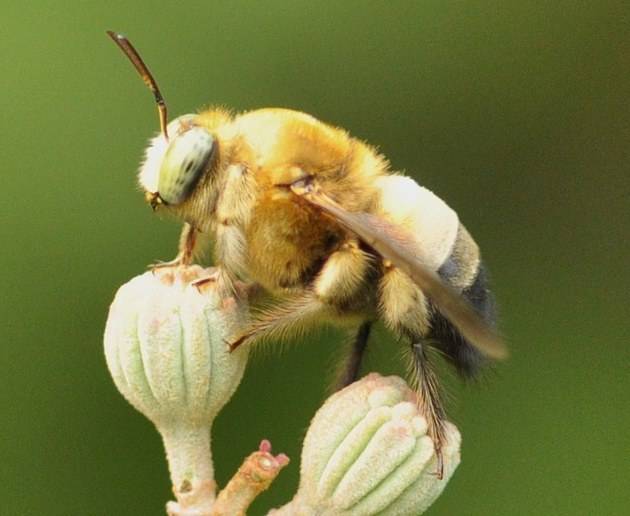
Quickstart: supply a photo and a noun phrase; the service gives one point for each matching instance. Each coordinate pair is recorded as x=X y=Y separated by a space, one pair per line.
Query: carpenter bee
x=317 y=218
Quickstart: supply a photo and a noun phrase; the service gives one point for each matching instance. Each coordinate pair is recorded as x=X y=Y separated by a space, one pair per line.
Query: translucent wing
x=395 y=244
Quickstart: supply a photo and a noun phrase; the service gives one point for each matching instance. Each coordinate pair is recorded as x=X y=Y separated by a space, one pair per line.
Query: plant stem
x=190 y=464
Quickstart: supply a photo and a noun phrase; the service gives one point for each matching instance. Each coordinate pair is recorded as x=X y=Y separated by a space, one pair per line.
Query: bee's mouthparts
x=154 y=199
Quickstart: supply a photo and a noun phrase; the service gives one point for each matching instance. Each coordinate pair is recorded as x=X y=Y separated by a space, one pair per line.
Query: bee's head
x=173 y=167
x=177 y=158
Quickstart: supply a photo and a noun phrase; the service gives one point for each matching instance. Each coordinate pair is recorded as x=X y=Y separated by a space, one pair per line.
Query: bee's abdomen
x=465 y=271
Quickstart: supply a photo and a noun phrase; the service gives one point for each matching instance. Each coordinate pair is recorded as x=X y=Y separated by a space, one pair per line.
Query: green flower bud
x=165 y=349
x=367 y=452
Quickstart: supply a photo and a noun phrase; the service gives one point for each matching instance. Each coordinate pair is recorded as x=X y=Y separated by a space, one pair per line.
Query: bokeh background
x=516 y=112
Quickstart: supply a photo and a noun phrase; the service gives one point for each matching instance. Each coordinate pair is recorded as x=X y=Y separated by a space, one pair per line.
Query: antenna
x=129 y=50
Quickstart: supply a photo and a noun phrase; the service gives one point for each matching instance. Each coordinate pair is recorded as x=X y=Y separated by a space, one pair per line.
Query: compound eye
x=185 y=160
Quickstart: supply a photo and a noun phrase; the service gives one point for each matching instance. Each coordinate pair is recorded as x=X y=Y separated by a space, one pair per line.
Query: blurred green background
x=515 y=112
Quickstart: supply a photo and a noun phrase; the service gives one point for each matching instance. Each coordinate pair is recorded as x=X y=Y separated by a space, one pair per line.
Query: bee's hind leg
x=428 y=389
x=404 y=309
x=187 y=241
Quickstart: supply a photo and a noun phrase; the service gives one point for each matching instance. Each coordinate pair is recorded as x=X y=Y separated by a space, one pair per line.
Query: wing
x=395 y=244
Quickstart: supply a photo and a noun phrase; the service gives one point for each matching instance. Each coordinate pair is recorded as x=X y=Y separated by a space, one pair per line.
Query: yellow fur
x=343 y=274
x=402 y=305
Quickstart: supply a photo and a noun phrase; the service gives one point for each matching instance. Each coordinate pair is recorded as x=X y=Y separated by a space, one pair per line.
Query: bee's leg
x=229 y=248
x=341 y=281
x=292 y=316
x=402 y=305
x=187 y=241
x=331 y=293
x=226 y=285
x=349 y=372
x=404 y=309
x=428 y=389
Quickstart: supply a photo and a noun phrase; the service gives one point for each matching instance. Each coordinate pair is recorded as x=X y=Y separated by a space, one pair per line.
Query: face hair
x=129 y=50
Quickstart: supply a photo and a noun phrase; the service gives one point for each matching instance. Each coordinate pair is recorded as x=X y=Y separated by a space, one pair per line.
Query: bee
x=318 y=219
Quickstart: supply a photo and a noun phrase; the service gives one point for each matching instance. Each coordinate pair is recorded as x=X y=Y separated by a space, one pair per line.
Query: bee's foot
x=235 y=343
x=439 y=470
x=201 y=283
x=179 y=261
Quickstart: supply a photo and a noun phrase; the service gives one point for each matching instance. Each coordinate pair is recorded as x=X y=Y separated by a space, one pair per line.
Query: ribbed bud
x=367 y=452
x=165 y=349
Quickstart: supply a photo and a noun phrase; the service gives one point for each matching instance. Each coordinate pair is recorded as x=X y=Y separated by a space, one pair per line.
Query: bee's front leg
x=187 y=242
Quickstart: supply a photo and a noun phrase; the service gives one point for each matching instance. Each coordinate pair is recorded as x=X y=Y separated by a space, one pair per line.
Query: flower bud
x=165 y=349
x=367 y=451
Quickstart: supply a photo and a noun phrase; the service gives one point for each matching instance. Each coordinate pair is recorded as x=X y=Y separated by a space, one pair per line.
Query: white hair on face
x=150 y=169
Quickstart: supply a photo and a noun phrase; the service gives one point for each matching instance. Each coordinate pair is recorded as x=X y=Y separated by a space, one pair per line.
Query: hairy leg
x=288 y=318
x=402 y=305
x=427 y=386
x=404 y=309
